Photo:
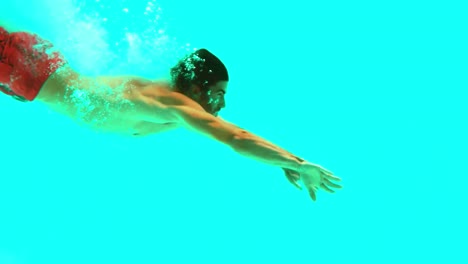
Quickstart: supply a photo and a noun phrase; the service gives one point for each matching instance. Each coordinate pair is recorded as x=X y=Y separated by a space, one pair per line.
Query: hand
x=313 y=177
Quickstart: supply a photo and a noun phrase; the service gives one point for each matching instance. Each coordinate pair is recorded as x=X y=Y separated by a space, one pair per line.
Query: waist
x=54 y=90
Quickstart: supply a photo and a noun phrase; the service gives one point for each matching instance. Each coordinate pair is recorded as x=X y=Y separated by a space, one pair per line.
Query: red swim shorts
x=26 y=61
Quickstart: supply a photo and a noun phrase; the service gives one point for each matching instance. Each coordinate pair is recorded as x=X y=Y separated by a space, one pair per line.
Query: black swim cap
x=201 y=68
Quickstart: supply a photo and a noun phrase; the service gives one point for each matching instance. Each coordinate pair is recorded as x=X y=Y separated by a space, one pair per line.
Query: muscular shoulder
x=155 y=102
x=163 y=94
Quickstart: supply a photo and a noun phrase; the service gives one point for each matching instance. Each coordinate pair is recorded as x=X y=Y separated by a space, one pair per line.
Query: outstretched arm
x=250 y=145
x=192 y=116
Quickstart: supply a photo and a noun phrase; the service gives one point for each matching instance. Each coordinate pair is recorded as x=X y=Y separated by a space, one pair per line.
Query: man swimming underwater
x=31 y=70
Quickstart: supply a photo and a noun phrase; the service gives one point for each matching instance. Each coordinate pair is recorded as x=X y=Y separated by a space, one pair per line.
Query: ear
x=195 y=90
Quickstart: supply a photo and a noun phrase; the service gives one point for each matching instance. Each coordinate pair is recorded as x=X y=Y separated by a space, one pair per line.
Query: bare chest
x=146 y=128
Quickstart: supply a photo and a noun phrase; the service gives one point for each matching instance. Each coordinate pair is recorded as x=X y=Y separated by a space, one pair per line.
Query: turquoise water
x=375 y=92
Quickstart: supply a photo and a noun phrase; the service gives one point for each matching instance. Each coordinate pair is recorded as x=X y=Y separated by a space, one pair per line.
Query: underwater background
x=375 y=91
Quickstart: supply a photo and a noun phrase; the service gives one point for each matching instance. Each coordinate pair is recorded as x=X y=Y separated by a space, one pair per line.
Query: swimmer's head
x=202 y=77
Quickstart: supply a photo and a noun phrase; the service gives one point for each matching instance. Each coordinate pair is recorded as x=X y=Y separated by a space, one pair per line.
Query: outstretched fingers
x=326 y=188
x=294 y=182
x=324 y=170
x=312 y=194
x=330 y=183
x=329 y=175
x=293 y=178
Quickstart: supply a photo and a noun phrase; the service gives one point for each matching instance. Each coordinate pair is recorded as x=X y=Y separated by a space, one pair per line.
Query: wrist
x=300 y=164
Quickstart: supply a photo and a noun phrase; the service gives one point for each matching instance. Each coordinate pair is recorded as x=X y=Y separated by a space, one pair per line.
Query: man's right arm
x=192 y=116
x=240 y=140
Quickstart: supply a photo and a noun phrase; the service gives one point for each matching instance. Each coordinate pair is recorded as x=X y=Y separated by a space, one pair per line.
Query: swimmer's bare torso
x=108 y=104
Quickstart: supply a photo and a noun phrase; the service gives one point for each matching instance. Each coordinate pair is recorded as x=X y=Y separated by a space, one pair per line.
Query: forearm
x=257 y=148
